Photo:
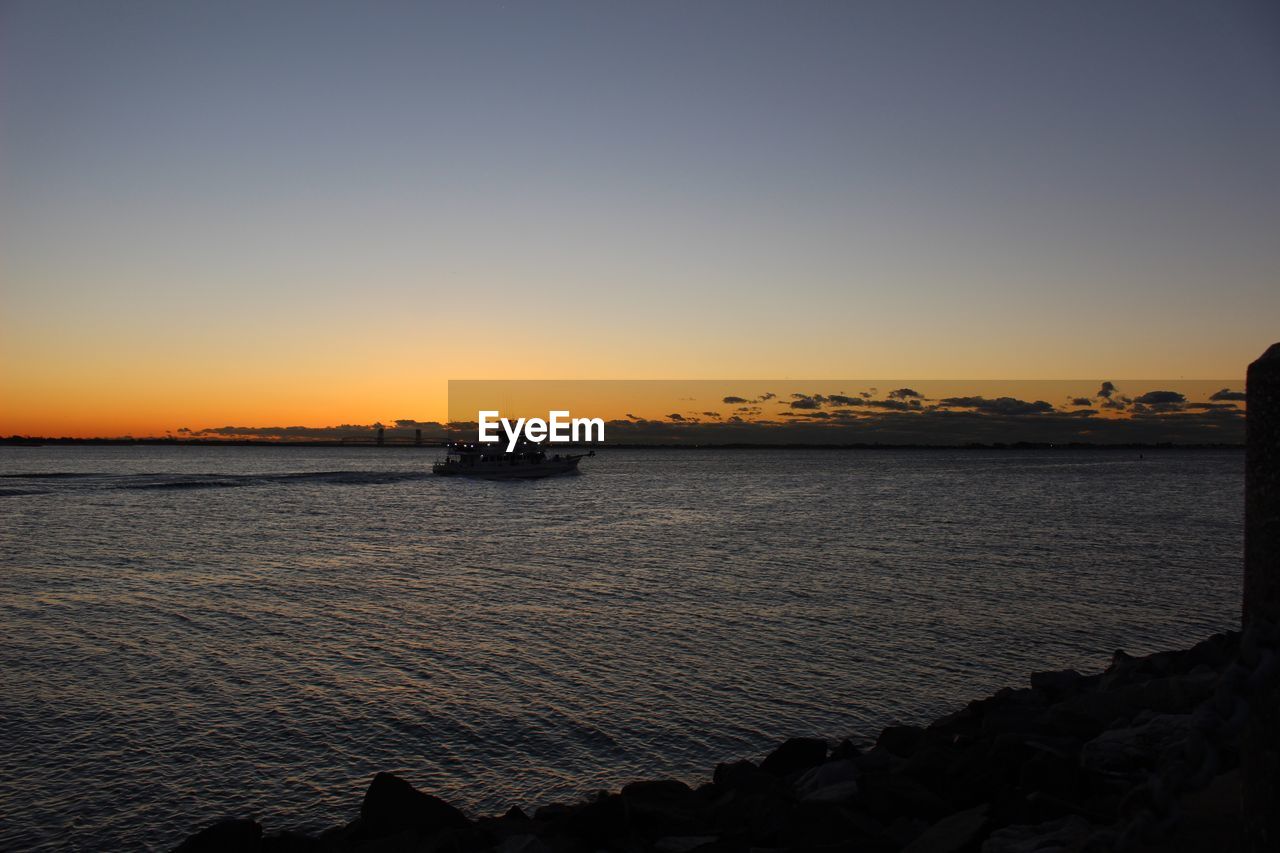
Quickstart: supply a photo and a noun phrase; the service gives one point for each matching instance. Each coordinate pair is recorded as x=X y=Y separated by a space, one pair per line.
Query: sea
x=191 y=633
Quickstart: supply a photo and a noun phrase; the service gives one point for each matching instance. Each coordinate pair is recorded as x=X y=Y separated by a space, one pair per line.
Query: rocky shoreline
x=1070 y=762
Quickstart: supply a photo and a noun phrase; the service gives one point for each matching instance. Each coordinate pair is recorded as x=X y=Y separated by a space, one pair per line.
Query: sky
x=318 y=213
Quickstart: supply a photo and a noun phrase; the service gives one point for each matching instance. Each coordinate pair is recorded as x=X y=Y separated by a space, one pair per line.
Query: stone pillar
x=1260 y=753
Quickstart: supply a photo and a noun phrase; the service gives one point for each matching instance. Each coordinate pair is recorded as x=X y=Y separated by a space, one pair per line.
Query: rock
x=596 y=822
x=1015 y=718
x=682 y=843
x=832 y=782
x=657 y=789
x=292 y=842
x=752 y=815
x=811 y=826
x=341 y=836
x=1124 y=667
x=391 y=805
x=659 y=808
x=953 y=833
x=1105 y=710
x=890 y=795
x=731 y=774
x=1215 y=652
x=877 y=759
x=1207 y=820
x=1137 y=749
x=745 y=777
x=1068 y=833
x=552 y=812
x=1052 y=773
x=933 y=757
x=457 y=840
x=522 y=844
x=904 y=830
x=796 y=754
x=900 y=740
x=228 y=836
x=846 y=749
x=1056 y=684
x=1176 y=694
x=515 y=813
x=1063 y=721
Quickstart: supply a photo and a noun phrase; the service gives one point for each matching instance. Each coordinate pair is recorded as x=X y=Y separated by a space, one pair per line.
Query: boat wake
x=16 y=485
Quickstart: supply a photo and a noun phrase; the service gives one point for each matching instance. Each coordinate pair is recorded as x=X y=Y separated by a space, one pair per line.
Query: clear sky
x=317 y=213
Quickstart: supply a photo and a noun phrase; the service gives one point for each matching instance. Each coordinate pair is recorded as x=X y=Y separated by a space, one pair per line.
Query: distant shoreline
x=437 y=444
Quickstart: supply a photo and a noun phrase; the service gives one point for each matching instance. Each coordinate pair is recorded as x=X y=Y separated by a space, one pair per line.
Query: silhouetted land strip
x=1069 y=762
x=437 y=444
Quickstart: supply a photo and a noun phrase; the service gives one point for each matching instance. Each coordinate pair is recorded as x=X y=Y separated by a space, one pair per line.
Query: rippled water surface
x=189 y=633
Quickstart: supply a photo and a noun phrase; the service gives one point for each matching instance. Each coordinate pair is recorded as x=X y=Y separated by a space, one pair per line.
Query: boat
x=528 y=461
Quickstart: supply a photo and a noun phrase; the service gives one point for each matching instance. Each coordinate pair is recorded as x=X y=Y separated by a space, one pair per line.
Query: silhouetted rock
x=228 y=836
x=1136 y=750
x=595 y=822
x=952 y=834
x=1064 y=834
x=662 y=807
x=892 y=795
x=684 y=843
x=900 y=740
x=832 y=782
x=1057 y=684
x=746 y=777
x=292 y=842
x=522 y=844
x=846 y=749
x=391 y=806
x=798 y=753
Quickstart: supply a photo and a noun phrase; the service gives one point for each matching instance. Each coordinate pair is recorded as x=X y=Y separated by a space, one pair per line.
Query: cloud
x=763 y=398
x=894 y=405
x=1228 y=394
x=1110 y=399
x=676 y=416
x=1081 y=401
x=905 y=394
x=1160 y=398
x=842 y=400
x=711 y=414
x=805 y=402
x=998 y=405
x=1158 y=401
x=1216 y=407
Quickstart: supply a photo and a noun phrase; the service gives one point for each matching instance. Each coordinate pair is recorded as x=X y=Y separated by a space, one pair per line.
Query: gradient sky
x=317 y=213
